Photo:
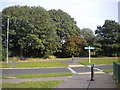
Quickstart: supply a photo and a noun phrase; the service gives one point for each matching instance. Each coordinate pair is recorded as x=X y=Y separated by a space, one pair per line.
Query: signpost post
x=89 y=52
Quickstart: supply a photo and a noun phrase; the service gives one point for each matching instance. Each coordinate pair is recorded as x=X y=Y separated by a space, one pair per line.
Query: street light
x=7 y=38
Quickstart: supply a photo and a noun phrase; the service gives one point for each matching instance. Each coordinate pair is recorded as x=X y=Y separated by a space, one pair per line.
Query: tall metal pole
x=7 y=38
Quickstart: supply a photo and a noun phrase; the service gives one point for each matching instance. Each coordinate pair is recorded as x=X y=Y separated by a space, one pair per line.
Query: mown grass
x=102 y=58
x=5 y=65
x=65 y=59
x=108 y=71
x=36 y=75
x=33 y=84
x=97 y=62
x=27 y=65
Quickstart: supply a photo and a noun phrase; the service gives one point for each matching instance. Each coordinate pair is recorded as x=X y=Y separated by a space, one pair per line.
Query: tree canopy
x=36 y=32
x=107 y=36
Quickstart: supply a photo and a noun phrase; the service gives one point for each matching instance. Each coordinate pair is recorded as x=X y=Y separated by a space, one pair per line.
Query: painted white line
x=98 y=69
x=95 y=68
x=71 y=70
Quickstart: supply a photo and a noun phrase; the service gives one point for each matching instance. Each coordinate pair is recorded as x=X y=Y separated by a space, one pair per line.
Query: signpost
x=89 y=51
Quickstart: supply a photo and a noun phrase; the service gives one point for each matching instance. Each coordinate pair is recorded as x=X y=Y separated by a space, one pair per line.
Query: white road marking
x=98 y=69
x=95 y=68
x=71 y=70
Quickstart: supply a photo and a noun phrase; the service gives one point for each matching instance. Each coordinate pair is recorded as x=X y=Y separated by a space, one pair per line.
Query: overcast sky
x=87 y=13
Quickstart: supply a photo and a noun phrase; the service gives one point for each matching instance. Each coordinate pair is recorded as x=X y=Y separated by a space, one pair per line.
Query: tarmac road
x=53 y=70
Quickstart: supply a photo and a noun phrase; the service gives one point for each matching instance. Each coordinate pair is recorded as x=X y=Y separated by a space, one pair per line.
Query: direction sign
x=89 y=48
x=89 y=51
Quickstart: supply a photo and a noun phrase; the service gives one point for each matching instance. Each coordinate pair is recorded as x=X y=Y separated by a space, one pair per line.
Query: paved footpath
x=102 y=80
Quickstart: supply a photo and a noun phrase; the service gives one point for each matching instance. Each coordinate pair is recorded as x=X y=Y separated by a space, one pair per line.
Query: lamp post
x=7 y=38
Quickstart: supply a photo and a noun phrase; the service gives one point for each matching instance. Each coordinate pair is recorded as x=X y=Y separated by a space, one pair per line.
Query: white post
x=7 y=38
x=89 y=55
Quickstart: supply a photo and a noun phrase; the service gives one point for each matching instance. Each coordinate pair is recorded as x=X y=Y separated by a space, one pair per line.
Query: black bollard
x=92 y=72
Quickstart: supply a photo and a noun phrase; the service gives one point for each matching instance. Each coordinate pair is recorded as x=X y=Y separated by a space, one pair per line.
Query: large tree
x=66 y=25
x=75 y=46
x=108 y=37
x=88 y=35
x=32 y=32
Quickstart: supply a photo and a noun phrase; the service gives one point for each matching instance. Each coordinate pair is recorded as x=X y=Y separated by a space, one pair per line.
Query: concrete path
x=83 y=81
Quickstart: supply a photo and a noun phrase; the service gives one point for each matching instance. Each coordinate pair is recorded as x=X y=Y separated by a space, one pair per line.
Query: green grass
x=22 y=65
x=108 y=71
x=65 y=59
x=97 y=62
x=33 y=84
x=102 y=58
x=4 y=65
x=37 y=75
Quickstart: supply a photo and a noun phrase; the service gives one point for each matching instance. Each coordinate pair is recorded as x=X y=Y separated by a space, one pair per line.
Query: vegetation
x=75 y=46
x=102 y=58
x=25 y=65
x=5 y=65
x=108 y=71
x=37 y=33
x=98 y=61
x=37 y=75
x=107 y=37
x=33 y=84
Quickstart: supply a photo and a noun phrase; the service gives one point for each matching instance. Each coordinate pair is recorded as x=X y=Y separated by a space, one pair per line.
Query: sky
x=87 y=13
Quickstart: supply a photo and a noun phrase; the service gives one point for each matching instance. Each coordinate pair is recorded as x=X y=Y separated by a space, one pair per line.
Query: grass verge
x=33 y=84
x=108 y=71
x=36 y=75
x=97 y=62
x=102 y=58
x=52 y=58
x=4 y=65
x=28 y=65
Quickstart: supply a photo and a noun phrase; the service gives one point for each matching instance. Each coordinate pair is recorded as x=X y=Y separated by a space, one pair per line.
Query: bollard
x=92 y=72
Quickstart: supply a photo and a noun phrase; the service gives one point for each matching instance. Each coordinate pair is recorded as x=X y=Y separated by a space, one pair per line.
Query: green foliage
x=66 y=26
x=108 y=38
x=74 y=46
x=32 y=32
x=88 y=35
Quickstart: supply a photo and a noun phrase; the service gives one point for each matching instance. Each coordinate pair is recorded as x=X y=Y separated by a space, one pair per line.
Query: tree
x=31 y=29
x=88 y=35
x=108 y=37
x=66 y=26
x=75 y=46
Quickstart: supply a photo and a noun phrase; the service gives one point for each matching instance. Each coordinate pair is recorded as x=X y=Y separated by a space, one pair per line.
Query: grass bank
x=29 y=65
x=33 y=84
x=36 y=75
x=5 y=65
x=97 y=61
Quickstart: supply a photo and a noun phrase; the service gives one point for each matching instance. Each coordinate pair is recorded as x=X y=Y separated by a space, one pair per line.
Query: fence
x=116 y=71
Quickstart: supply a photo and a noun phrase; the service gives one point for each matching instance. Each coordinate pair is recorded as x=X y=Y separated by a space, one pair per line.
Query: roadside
x=77 y=80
